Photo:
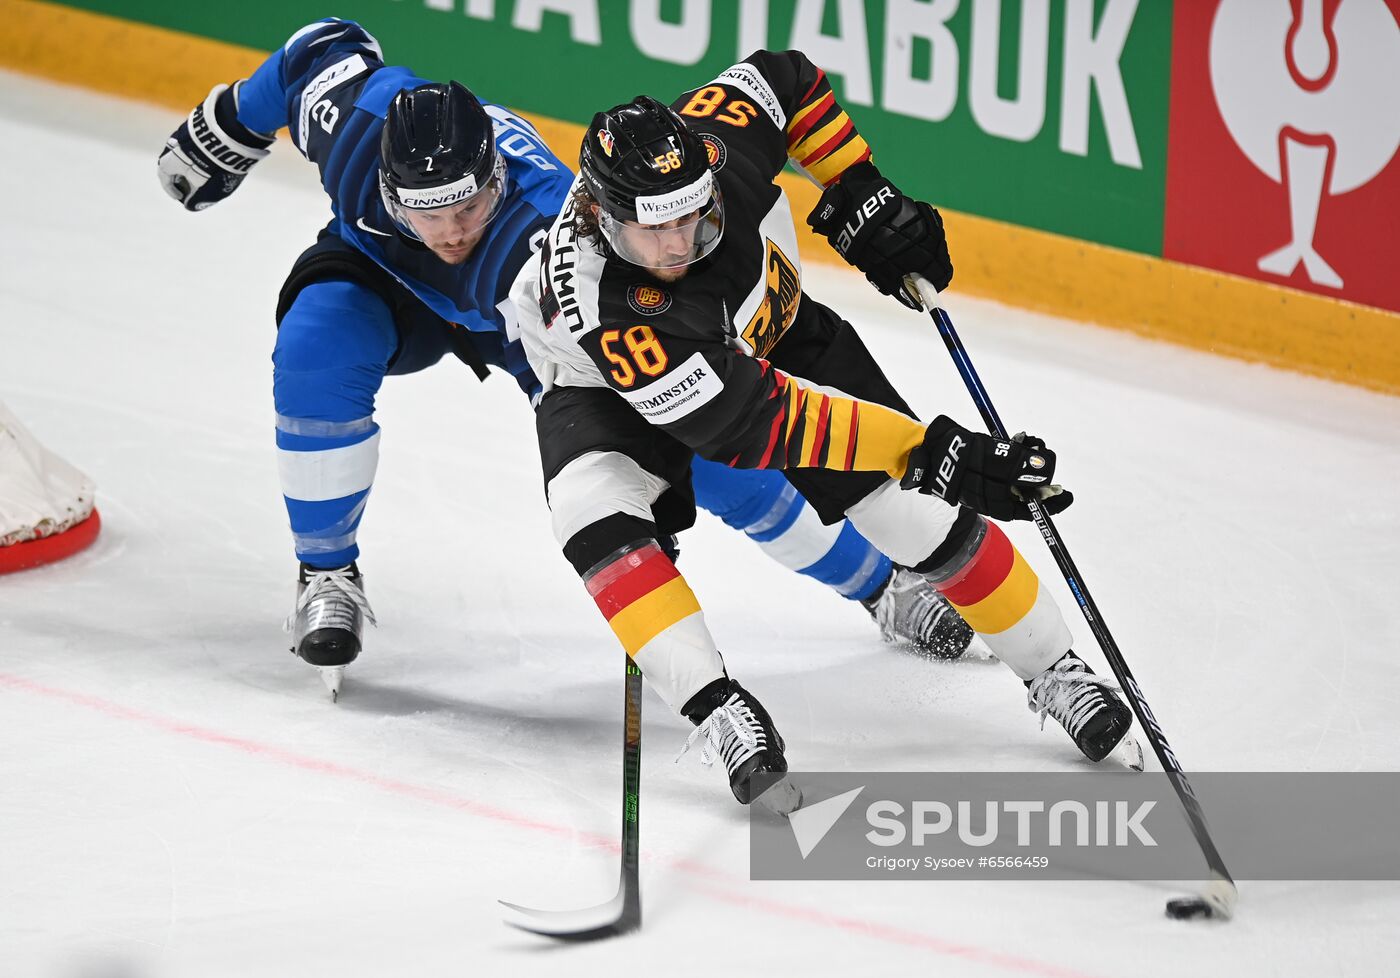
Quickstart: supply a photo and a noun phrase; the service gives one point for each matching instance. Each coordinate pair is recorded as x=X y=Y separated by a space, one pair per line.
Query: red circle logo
x=648 y=299
x=715 y=152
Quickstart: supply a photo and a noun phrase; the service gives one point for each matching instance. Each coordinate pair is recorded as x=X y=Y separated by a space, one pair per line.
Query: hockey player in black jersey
x=665 y=316
x=437 y=198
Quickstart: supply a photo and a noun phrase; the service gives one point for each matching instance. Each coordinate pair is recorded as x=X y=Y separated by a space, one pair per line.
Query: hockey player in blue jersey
x=438 y=200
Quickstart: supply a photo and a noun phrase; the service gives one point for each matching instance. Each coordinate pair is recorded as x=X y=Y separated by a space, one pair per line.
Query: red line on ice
x=292 y=759
x=707 y=876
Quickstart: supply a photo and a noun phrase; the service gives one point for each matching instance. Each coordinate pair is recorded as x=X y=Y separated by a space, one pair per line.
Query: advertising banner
x=1252 y=137
x=1285 y=121
x=1051 y=115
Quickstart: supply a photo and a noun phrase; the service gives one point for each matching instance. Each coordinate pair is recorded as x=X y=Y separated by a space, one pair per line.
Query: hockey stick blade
x=611 y=919
x=623 y=913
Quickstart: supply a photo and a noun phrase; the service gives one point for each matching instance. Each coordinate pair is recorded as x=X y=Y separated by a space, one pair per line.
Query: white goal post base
x=46 y=505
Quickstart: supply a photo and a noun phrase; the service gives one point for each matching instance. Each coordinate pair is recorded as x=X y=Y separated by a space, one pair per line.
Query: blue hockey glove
x=209 y=155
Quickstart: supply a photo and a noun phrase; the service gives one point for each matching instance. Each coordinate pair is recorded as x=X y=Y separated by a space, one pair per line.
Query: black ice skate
x=1087 y=706
x=328 y=620
x=737 y=728
x=910 y=611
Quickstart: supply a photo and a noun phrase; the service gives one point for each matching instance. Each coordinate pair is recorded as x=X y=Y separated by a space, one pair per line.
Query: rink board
x=1032 y=269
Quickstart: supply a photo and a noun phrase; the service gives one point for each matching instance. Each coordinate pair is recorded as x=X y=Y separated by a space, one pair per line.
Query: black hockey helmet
x=646 y=167
x=437 y=149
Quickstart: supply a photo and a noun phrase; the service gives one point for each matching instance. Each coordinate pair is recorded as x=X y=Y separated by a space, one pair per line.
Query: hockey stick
x=623 y=913
x=1219 y=895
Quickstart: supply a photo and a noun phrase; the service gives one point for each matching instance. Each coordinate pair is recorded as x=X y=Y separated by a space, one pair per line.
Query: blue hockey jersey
x=330 y=87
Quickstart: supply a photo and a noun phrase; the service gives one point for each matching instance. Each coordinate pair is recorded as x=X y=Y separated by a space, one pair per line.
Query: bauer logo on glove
x=885 y=234
x=865 y=212
x=992 y=477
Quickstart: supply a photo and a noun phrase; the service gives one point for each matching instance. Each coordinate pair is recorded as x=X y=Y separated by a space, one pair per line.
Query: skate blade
x=331 y=676
x=1216 y=900
x=782 y=798
x=978 y=651
x=1127 y=753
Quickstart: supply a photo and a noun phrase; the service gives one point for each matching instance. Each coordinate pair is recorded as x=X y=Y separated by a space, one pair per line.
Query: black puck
x=1188 y=908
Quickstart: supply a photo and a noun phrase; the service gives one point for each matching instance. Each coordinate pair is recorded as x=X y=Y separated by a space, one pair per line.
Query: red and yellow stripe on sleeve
x=996 y=589
x=641 y=594
x=814 y=429
x=821 y=138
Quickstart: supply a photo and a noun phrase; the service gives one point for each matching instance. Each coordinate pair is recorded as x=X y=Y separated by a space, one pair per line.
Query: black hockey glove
x=209 y=155
x=883 y=233
x=985 y=474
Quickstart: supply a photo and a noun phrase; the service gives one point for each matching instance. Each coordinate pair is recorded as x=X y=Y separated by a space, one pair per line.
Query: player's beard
x=463 y=251
x=669 y=275
x=453 y=257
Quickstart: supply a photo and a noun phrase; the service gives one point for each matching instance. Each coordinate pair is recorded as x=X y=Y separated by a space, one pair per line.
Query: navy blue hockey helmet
x=650 y=174
x=437 y=149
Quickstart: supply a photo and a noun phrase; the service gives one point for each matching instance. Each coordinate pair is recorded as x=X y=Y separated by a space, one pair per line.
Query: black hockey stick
x=623 y=913
x=1219 y=895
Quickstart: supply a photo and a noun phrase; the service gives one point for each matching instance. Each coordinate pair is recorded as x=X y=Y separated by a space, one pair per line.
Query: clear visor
x=471 y=211
x=674 y=244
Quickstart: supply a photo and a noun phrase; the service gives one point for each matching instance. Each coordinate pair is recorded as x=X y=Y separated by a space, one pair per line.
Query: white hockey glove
x=209 y=155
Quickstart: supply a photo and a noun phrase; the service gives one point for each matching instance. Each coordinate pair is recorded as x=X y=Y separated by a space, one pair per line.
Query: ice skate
x=733 y=725
x=1087 y=706
x=910 y=611
x=328 y=620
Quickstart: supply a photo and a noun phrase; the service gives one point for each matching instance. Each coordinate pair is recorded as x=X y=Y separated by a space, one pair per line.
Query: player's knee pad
x=956 y=549
x=598 y=542
x=333 y=347
x=981 y=574
x=596 y=485
x=753 y=500
x=907 y=526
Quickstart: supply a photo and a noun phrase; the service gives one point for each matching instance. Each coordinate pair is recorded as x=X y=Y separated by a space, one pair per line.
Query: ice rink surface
x=178 y=797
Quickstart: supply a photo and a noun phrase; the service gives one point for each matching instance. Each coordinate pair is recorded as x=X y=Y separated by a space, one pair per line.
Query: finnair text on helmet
x=1068 y=822
x=867 y=210
x=438 y=196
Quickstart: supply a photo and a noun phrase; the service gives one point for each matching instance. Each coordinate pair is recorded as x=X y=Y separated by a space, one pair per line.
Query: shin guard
x=658 y=620
x=999 y=595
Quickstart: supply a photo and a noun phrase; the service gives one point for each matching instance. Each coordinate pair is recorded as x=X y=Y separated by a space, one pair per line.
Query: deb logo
x=1285 y=125
x=648 y=299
